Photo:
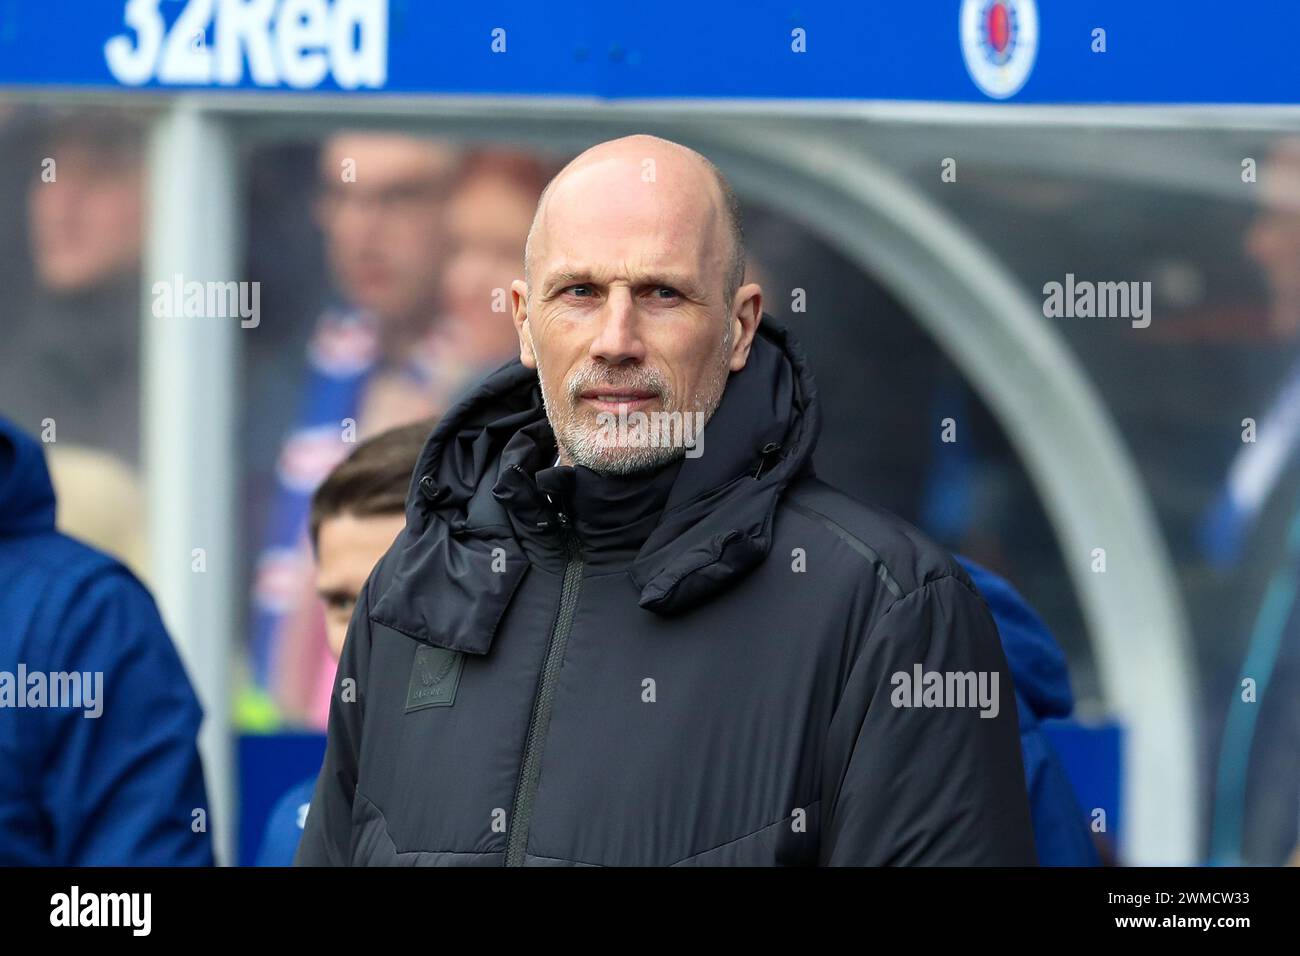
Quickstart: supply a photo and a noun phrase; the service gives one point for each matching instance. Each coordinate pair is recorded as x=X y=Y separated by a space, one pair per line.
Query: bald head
x=674 y=176
x=633 y=302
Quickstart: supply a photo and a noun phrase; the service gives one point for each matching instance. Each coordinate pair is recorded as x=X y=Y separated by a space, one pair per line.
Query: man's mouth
x=618 y=400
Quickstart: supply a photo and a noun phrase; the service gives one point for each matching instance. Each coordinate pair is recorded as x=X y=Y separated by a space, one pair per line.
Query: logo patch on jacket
x=435 y=673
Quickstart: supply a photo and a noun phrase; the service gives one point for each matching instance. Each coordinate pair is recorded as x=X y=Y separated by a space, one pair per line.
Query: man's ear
x=746 y=313
x=519 y=309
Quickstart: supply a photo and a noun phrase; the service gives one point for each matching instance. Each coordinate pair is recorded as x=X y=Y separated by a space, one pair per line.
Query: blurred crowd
x=386 y=261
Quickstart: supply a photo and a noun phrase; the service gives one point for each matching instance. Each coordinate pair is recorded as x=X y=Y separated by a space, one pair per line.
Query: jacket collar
x=478 y=514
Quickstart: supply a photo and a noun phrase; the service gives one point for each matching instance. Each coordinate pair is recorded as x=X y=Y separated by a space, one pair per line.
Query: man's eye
x=580 y=291
x=667 y=292
x=339 y=602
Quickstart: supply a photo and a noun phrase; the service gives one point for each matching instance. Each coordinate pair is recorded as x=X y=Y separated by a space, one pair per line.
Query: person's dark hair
x=528 y=170
x=116 y=136
x=113 y=135
x=373 y=480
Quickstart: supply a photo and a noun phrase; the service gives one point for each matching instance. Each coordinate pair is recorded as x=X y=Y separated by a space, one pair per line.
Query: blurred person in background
x=1041 y=677
x=1273 y=240
x=109 y=774
x=355 y=514
x=419 y=238
x=72 y=353
x=488 y=217
x=1251 y=535
x=70 y=367
x=1259 y=470
x=380 y=207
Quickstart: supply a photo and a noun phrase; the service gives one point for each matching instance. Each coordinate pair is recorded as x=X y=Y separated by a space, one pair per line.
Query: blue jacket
x=1042 y=681
x=284 y=826
x=108 y=773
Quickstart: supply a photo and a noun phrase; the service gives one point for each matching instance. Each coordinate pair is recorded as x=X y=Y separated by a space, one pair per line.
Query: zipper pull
x=769 y=450
x=568 y=537
x=560 y=514
x=567 y=534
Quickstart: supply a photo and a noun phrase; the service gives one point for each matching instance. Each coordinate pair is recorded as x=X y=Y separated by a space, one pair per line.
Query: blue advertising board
x=1023 y=51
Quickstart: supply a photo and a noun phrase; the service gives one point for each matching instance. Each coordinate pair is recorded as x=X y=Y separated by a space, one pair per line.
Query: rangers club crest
x=999 y=41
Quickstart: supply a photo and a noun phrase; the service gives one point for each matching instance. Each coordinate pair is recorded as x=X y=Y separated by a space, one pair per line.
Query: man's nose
x=618 y=339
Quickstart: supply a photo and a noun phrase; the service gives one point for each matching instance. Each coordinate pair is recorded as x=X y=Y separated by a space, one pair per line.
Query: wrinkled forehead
x=623 y=213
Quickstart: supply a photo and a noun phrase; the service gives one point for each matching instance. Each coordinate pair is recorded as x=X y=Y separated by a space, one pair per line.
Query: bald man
x=626 y=625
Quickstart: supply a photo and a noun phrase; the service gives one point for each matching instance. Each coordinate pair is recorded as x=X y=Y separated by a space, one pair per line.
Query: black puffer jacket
x=708 y=665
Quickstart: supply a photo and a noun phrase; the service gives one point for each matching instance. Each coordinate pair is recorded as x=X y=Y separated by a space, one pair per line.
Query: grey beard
x=627 y=461
x=583 y=447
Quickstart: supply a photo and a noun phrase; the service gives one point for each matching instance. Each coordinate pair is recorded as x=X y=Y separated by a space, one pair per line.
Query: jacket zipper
x=530 y=766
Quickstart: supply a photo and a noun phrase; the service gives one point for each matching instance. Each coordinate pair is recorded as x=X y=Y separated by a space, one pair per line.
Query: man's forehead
x=668 y=266
x=595 y=237
x=644 y=208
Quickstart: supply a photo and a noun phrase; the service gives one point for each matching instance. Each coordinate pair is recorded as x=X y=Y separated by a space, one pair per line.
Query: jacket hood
x=26 y=495
x=484 y=495
x=1038 y=665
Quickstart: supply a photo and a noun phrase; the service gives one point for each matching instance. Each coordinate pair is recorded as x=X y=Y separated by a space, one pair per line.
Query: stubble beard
x=579 y=436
